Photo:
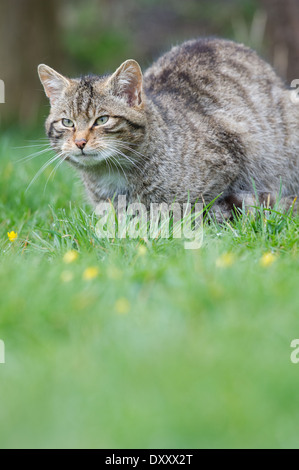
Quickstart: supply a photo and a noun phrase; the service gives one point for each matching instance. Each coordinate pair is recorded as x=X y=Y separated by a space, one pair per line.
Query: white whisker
x=52 y=160
x=29 y=146
x=107 y=161
x=34 y=155
x=135 y=152
x=117 y=166
x=110 y=158
x=53 y=172
x=119 y=152
x=127 y=146
x=117 y=162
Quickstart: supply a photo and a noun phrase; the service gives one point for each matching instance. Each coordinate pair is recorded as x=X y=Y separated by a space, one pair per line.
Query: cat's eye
x=101 y=120
x=67 y=122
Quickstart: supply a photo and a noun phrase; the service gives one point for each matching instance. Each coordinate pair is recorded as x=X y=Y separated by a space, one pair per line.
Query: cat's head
x=94 y=118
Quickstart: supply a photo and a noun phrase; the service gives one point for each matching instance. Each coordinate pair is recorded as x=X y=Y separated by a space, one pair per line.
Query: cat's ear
x=126 y=83
x=52 y=81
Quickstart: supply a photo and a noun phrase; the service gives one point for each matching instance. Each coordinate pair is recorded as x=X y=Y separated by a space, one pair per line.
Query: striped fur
x=208 y=118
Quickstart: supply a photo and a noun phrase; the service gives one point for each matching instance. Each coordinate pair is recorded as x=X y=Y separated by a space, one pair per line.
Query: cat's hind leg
x=225 y=208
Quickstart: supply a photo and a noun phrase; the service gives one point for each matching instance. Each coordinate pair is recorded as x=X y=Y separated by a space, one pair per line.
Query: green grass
x=164 y=347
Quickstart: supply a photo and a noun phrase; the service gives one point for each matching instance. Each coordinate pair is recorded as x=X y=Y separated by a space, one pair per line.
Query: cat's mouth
x=110 y=157
x=85 y=158
x=87 y=154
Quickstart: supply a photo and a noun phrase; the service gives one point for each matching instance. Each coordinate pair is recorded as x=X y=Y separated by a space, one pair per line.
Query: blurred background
x=79 y=36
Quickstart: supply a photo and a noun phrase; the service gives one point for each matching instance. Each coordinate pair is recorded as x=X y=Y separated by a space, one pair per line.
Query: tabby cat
x=206 y=119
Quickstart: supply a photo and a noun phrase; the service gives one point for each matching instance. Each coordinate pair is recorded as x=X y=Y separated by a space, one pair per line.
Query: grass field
x=141 y=344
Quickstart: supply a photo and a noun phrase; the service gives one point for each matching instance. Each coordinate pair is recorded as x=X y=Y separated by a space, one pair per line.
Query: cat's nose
x=81 y=143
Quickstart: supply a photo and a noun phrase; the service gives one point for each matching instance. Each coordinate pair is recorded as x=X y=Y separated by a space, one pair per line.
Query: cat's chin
x=88 y=161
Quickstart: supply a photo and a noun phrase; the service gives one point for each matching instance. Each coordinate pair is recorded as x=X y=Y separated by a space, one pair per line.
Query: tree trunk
x=28 y=36
x=283 y=34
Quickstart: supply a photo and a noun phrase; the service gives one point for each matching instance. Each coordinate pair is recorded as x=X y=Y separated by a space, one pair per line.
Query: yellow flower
x=122 y=305
x=226 y=259
x=267 y=259
x=90 y=273
x=66 y=276
x=142 y=250
x=12 y=236
x=70 y=256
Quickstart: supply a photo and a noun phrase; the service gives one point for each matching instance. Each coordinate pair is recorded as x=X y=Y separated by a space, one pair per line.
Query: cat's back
x=218 y=97
x=210 y=65
x=220 y=85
